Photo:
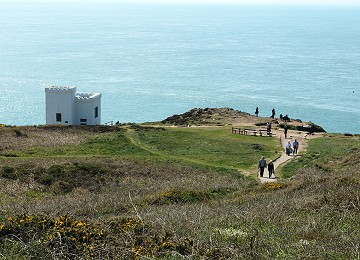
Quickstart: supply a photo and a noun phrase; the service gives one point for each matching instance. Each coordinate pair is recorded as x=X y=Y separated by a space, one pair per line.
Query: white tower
x=60 y=105
x=66 y=107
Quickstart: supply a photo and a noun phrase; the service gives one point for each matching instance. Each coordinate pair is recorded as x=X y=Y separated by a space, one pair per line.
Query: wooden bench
x=246 y=131
x=250 y=131
x=265 y=131
x=237 y=130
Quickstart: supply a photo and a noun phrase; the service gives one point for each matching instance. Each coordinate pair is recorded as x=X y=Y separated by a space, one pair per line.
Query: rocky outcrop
x=204 y=116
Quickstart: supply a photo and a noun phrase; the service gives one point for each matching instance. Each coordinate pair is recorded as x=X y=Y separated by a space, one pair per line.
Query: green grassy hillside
x=142 y=192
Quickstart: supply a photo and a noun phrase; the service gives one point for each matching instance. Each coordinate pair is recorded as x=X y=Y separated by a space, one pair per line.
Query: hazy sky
x=267 y=2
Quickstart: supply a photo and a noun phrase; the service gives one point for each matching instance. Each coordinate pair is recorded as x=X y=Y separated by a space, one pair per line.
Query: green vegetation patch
x=183 y=196
x=214 y=146
x=211 y=146
x=114 y=144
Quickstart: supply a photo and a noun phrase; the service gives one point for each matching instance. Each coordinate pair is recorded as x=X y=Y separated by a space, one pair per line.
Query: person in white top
x=288 y=148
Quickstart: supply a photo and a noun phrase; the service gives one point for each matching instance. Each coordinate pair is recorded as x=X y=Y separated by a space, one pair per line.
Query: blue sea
x=153 y=61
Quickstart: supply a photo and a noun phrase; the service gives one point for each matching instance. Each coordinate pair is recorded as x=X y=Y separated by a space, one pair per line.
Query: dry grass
x=24 y=137
x=21 y=138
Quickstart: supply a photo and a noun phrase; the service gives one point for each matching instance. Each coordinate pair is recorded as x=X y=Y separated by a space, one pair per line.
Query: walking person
x=268 y=127
x=288 y=148
x=285 y=131
x=271 y=169
x=295 y=147
x=262 y=165
x=257 y=111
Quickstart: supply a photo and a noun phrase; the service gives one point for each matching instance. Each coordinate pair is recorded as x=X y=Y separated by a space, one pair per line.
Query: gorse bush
x=62 y=237
x=66 y=237
x=274 y=186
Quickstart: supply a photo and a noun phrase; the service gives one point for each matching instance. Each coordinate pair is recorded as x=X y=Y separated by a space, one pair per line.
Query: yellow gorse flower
x=80 y=233
x=273 y=186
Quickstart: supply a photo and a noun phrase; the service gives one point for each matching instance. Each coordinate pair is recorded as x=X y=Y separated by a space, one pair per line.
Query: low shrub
x=8 y=172
x=180 y=197
x=18 y=133
x=64 y=178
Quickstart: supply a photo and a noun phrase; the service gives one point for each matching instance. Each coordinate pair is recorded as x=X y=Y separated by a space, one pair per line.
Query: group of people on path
x=270 y=167
x=292 y=149
x=289 y=149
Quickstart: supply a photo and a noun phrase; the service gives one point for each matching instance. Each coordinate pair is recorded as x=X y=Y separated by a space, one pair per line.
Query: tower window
x=58 y=117
x=96 y=112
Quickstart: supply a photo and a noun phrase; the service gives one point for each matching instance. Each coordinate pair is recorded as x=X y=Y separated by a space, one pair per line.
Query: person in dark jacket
x=271 y=169
x=273 y=113
x=257 y=111
x=285 y=131
x=295 y=147
x=262 y=165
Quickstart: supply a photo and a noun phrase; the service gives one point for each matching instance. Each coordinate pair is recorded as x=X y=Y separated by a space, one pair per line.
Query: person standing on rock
x=271 y=169
x=295 y=147
x=262 y=165
x=257 y=111
x=273 y=113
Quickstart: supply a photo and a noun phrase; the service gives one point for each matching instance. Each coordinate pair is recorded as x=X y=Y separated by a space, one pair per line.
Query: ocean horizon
x=153 y=61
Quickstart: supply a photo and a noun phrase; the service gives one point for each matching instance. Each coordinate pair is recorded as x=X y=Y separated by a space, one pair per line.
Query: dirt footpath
x=301 y=137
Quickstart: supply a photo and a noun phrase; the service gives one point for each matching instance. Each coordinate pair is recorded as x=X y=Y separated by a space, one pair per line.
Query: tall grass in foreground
x=170 y=210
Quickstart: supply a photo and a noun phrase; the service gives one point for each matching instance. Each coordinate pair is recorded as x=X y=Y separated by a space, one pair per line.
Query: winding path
x=284 y=158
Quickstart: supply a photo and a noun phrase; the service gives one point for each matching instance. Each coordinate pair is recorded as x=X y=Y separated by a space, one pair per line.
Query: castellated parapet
x=86 y=97
x=56 y=89
x=65 y=106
